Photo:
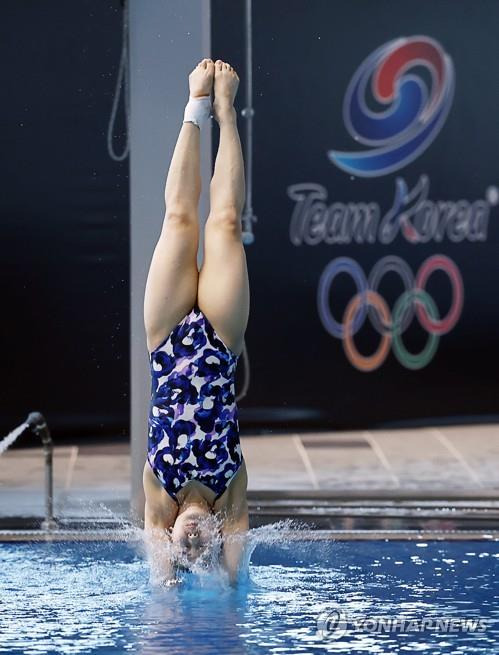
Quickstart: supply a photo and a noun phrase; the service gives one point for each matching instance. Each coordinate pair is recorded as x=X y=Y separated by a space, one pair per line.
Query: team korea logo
x=411 y=114
x=394 y=107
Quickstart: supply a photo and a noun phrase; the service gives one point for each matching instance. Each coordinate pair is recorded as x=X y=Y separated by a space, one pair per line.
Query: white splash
x=11 y=437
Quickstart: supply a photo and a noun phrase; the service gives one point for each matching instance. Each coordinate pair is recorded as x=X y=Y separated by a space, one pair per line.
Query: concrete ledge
x=368 y=518
x=393 y=495
x=287 y=535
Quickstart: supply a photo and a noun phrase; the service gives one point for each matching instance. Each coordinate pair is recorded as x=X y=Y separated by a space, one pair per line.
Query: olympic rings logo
x=390 y=325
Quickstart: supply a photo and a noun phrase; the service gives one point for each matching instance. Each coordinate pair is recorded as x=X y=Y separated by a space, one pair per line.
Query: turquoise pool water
x=94 y=597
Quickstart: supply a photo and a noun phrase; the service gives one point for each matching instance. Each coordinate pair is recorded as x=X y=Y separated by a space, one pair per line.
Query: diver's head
x=195 y=534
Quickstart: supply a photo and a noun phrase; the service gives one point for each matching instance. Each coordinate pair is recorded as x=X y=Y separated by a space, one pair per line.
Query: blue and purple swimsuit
x=193 y=419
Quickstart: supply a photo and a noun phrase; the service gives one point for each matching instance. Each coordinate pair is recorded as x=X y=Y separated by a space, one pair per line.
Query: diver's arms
x=235 y=524
x=235 y=538
x=160 y=566
x=159 y=515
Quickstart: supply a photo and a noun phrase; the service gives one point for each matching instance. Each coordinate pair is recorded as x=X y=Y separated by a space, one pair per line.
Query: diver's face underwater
x=195 y=534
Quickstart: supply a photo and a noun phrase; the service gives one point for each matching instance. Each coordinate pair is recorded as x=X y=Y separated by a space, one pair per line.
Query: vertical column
x=167 y=38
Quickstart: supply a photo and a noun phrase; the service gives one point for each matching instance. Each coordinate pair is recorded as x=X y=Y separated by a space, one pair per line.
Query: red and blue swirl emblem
x=411 y=111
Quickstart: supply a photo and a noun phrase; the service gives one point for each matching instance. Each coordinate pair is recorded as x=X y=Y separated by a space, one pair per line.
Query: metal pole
x=49 y=522
x=38 y=426
x=248 y=112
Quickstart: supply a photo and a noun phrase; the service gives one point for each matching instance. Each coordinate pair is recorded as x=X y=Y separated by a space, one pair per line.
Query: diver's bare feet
x=225 y=88
x=201 y=79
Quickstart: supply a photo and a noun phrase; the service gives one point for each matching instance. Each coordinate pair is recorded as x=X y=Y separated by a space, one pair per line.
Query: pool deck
x=455 y=462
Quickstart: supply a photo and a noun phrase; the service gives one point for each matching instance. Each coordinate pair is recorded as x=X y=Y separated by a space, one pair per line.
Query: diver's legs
x=172 y=281
x=223 y=293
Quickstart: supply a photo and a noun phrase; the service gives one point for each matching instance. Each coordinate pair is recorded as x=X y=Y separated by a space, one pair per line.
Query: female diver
x=195 y=477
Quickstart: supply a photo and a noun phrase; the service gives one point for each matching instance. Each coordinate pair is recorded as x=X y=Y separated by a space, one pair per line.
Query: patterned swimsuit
x=193 y=418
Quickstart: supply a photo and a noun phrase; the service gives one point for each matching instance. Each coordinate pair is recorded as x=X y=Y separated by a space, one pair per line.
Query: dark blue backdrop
x=64 y=211
x=305 y=55
x=64 y=214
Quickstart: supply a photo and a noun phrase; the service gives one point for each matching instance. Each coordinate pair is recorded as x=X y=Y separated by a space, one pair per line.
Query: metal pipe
x=248 y=112
x=38 y=426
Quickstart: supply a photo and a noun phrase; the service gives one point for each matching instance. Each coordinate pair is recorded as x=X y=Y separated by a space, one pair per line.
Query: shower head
x=38 y=425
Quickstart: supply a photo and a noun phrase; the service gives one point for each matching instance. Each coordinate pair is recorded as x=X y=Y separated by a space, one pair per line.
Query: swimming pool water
x=94 y=597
